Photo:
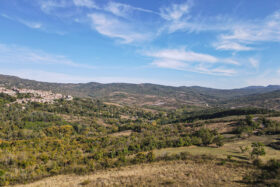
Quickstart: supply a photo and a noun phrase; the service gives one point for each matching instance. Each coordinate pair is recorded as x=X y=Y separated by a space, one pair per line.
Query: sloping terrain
x=171 y=173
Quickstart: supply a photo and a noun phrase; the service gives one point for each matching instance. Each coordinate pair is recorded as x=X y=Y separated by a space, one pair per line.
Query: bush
x=219 y=140
x=268 y=176
x=86 y=182
x=206 y=136
x=258 y=150
x=151 y=157
x=196 y=140
x=2 y=173
x=139 y=158
x=184 y=155
x=257 y=162
x=80 y=170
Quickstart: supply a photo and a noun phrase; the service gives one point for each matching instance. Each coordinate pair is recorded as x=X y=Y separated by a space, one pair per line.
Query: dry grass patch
x=275 y=118
x=101 y=122
x=171 y=173
x=123 y=133
x=113 y=104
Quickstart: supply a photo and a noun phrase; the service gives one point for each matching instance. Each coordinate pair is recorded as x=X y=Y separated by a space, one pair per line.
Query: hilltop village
x=29 y=95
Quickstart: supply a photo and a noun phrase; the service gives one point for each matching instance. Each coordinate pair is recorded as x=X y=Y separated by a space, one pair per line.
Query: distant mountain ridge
x=150 y=94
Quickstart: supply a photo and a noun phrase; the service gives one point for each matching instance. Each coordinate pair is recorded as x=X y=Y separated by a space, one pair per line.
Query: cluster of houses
x=7 y=91
x=34 y=95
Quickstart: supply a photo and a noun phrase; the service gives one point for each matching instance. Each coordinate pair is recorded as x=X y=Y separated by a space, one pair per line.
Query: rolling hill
x=158 y=96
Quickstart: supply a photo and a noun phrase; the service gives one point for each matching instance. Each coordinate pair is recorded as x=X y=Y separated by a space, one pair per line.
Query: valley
x=136 y=138
x=172 y=93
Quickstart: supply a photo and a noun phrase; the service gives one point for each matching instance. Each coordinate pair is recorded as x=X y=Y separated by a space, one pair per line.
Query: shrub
x=2 y=173
x=258 y=162
x=258 y=150
x=206 y=135
x=229 y=157
x=80 y=170
x=196 y=140
x=151 y=157
x=268 y=176
x=219 y=140
x=187 y=141
x=139 y=158
x=243 y=149
x=86 y=182
x=184 y=155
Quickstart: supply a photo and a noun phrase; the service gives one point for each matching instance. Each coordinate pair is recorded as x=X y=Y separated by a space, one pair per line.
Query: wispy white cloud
x=85 y=3
x=124 y=10
x=177 y=16
x=233 y=34
x=257 y=31
x=112 y=19
x=200 y=68
x=115 y=28
x=171 y=64
x=191 y=23
x=117 y=22
x=118 y=9
x=13 y=54
x=181 y=54
x=215 y=70
x=249 y=33
x=48 y=6
x=30 y=24
x=188 y=56
x=231 y=46
x=175 y=11
x=33 y=25
x=254 y=62
x=181 y=59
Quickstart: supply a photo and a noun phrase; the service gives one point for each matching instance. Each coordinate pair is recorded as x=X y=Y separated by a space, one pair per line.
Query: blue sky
x=213 y=43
